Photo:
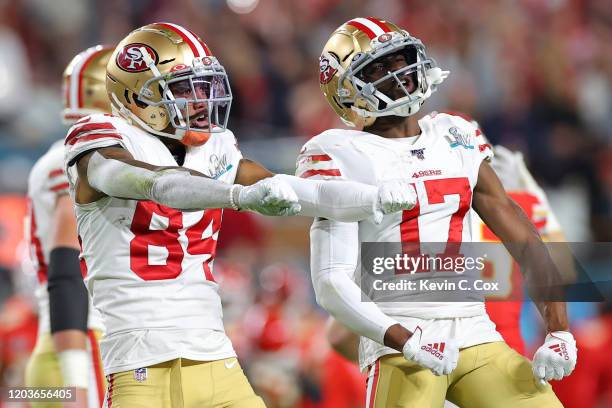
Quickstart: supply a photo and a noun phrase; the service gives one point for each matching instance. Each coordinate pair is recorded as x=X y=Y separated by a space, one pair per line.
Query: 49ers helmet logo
x=326 y=71
x=130 y=58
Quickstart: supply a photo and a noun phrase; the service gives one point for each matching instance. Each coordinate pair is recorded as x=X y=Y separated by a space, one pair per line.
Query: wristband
x=562 y=335
x=74 y=367
x=232 y=201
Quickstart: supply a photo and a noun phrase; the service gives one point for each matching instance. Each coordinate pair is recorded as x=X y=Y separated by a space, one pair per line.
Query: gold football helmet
x=84 y=84
x=356 y=44
x=164 y=79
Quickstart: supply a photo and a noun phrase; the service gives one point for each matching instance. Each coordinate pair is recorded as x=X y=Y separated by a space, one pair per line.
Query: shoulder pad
x=94 y=125
x=446 y=119
x=333 y=138
x=93 y=132
x=317 y=160
x=228 y=136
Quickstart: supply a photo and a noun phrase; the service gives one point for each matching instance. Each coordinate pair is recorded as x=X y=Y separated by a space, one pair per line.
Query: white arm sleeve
x=333 y=259
x=173 y=188
x=337 y=200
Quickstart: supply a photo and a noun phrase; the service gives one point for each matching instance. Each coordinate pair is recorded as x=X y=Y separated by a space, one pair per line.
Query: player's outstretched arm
x=68 y=302
x=333 y=259
x=508 y=221
x=345 y=201
x=112 y=171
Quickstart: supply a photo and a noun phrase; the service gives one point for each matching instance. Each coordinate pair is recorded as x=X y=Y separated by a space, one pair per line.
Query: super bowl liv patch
x=459 y=139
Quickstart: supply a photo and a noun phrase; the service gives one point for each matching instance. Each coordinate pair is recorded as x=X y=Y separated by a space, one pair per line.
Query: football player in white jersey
x=376 y=76
x=66 y=352
x=505 y=309
x=149 y=186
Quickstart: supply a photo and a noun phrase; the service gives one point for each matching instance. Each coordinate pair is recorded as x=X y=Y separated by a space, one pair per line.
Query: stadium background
x=535 y=73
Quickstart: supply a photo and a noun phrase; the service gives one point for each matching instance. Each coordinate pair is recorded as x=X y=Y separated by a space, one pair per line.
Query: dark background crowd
x=536 y=74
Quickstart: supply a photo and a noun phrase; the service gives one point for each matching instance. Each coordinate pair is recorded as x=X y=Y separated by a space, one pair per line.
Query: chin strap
x=119 y=109
x=167 y=93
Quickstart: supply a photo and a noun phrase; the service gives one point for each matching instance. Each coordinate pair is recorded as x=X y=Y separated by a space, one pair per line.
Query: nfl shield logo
x=419 y=153
x=140 y=374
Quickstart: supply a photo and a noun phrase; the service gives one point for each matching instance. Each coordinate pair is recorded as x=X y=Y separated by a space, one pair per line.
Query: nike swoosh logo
x=230 y=364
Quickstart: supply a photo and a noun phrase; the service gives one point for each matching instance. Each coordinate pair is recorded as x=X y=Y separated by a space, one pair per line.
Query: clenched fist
x=269 y=196
x=440 y=357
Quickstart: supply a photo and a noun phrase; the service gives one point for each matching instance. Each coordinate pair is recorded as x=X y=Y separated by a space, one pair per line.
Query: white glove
x=268 y=197
x=556 y=358
x=394 y=196
x=441 y=357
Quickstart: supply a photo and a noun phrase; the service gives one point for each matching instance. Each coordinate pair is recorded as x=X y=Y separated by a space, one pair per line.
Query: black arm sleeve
x=68 y=303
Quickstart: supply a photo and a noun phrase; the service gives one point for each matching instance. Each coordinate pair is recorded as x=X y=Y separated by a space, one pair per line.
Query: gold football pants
x=490 y=375
x=183 y=383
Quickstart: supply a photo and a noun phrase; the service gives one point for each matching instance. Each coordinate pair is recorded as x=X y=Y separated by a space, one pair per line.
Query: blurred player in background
x=376 y=76
x=66 y=352
x=18 y=327
x=140 y=181
x=505 y=309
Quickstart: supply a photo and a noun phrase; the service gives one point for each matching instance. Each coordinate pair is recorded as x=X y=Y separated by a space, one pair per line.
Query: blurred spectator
x=538 y=73
x=18 y=329
x=545 y=91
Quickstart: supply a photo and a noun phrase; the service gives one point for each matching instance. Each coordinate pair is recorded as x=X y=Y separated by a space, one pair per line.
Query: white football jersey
x=149 y=267
x=47 y=181
x=443 y=164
